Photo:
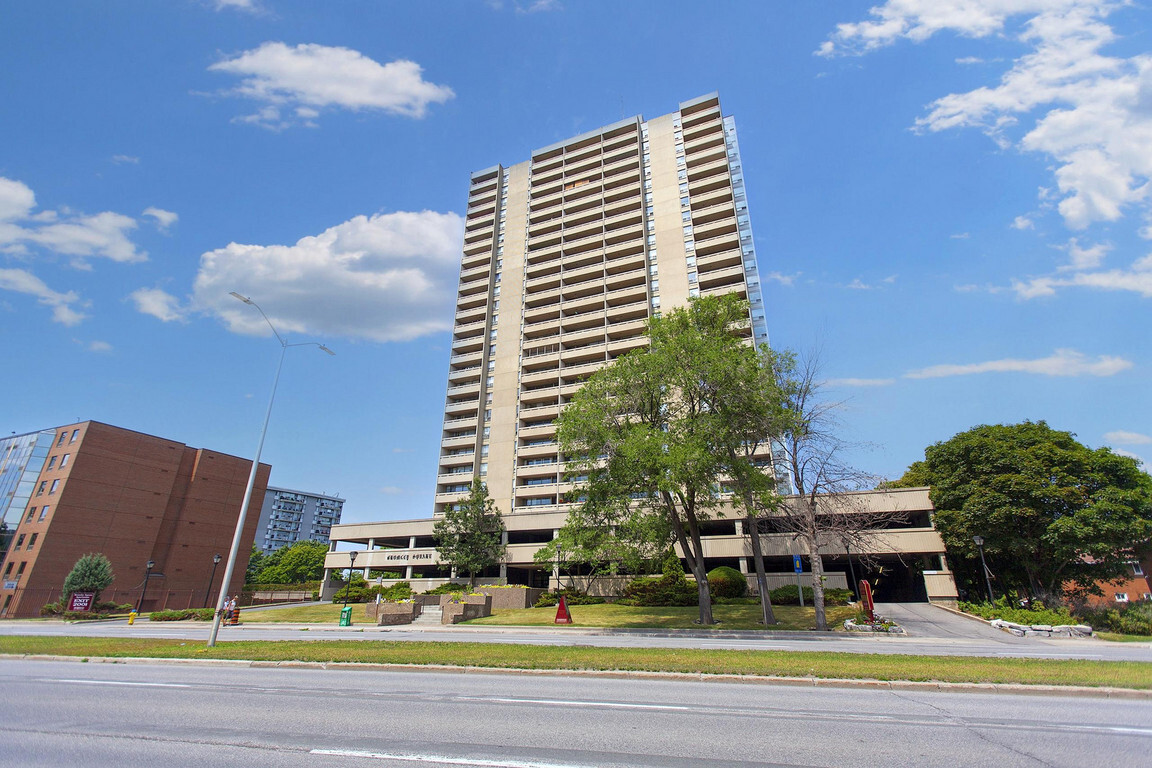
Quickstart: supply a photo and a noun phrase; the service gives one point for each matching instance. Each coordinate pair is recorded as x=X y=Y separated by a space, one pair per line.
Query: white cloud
x=248 y=6
x=780 y=277
x=99 y=346
x=16 y=201
x=164 y=219
x=314 y=77
x=122 y=159
x=392 y=490
x=1065 y=362
x=1129 y=454
x=388 y=277
x=1084 y=258
x=859 y=285
x=969 y=60
x=158 y=303
x=63 y=304
x=1124 y=437
x=1137 y=278
x=1091 y=111
x=961 y=236
x=1023 y=222
x=859 y=382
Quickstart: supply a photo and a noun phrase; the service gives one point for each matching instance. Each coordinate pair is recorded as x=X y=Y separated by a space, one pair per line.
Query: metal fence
x=27 y=603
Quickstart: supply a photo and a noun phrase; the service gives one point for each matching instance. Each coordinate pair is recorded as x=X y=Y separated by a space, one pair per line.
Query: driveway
x=927 y=620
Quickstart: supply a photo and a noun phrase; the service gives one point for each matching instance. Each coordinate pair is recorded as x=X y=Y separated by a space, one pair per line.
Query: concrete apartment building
x=92 y=487
x=565 y=256
x=288 y=516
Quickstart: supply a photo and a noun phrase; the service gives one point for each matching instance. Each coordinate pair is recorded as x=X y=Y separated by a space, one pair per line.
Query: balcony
x=713 y=245
x=725 y=276
x=465 y=358
x=466 y=406
x=718 y=260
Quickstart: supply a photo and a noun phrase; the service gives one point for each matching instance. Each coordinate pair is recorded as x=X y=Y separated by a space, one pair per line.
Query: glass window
x=32 y=541
x=64 y=460
x=75 y=434
x=52 y=463
x=1121 y=597
x=63 y=436
x=693 y=292
x=20 y=541
x=43 y=485
x=31 y=514
x=655 y=285
x=55 y=485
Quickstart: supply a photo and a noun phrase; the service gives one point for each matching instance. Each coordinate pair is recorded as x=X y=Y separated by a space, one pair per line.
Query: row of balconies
x=582 y=168
x=586 y=175
x=583 y=150
x=541 y=225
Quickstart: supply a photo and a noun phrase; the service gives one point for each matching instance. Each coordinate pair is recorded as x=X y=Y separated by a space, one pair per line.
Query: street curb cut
x=1078 y=691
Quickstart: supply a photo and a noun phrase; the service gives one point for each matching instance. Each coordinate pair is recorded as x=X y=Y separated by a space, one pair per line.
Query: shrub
x=727 y=582
x=447 y=588
x=571 y=596
x=1001 y=609
x=354 y=593
x=186 y=614
x=1132 y=619
x=51 y=609
x=787 y=595
x=670 y=589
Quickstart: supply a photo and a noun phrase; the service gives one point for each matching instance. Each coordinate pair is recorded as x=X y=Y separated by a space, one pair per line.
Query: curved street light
x=979 y=542
x=147 y=575
x=211 y=579
x=255 y=466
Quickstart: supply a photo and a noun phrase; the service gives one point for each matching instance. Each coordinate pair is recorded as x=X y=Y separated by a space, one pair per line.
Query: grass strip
x=1121 y=674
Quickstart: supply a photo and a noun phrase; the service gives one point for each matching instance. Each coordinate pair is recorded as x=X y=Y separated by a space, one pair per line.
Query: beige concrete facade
x=565 y=257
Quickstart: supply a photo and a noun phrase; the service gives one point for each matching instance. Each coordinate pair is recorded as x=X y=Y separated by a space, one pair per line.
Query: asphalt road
x=931 y=631
x=70 y=713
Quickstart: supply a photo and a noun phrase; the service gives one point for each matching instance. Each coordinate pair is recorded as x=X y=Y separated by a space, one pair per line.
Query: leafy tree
x=470 y=536
x=91 y=573
x=649 y=433
x=255 y=564
x=302 y=561
x=1056 y=516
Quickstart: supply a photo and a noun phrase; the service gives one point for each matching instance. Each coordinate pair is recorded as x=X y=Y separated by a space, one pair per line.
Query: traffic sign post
x=798 y=567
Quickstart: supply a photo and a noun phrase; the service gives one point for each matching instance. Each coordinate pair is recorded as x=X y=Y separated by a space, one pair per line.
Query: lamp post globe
x=211 y=579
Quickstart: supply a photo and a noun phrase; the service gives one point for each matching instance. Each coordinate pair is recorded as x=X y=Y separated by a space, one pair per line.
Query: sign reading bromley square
x=410 y=558
x=81 y=601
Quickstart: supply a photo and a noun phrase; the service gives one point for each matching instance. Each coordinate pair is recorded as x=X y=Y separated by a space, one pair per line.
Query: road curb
x=1078 y=691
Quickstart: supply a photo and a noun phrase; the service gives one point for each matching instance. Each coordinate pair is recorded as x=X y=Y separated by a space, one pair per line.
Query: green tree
x=302 y=561
x=470 y=535
x=256 y=562
x=1056 y=516
x=91 y=573
x=649 y=434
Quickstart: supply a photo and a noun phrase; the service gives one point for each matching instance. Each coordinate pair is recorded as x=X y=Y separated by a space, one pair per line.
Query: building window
x=43 y=485
x=55 y=485
x=20 y=541
x=43 y=513
x=52 y=463
x=32 y=541
x=75 y=434
x=64 y=460
x=8 y=570
x=1121 y=597
x=63 y=437
x=31 y=514
x=1137 y=570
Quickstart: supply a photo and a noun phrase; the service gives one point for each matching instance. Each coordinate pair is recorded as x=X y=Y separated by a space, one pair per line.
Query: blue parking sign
x=796 y=564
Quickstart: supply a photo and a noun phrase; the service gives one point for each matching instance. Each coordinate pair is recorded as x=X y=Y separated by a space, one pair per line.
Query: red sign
x=81 y=601
x=866 y=599
x=563 y=615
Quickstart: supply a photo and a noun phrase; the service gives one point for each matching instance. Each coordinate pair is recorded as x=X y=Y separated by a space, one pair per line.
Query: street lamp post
x=239 y=534
x=852 y=570
x=211 y=579
x=348 y=584
x=979 y=542
x=147 y=575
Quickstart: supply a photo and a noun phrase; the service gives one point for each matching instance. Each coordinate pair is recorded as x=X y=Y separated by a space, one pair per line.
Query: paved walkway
x=927 y=620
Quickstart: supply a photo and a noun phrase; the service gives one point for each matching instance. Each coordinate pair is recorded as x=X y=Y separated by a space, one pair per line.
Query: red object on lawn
x=563 y=615
x=866 y=599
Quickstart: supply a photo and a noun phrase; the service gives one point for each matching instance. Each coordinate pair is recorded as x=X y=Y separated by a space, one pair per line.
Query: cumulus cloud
x=1093 y=110
x=1023 y=222
x=248 y=6
x=158 y=303
x=1124 y=437
x=1065 y=362
x=387 y=277
x=780 y=277
x=99 y=346
x=1129 y=454
x=164 y=219
x=63 y=305
x=293 y=83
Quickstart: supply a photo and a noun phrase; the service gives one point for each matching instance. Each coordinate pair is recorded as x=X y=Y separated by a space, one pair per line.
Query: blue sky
x=951 y=201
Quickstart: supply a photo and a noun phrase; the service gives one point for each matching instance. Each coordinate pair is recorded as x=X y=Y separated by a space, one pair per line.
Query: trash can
x=346 y=616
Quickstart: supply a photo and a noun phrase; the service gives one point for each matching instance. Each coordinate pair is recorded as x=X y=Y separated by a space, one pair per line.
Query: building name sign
x=413 y=557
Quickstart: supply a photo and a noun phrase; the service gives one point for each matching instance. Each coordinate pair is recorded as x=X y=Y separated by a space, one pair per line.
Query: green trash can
x=346 y=616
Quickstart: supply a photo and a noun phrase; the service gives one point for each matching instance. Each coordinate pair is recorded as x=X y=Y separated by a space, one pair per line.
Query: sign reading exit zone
x=796 y=564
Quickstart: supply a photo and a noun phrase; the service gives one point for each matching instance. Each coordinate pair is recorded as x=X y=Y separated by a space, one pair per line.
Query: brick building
x=135 y=498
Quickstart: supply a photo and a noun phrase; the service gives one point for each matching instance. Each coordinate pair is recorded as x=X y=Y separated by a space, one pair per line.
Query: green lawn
x=606 y=615
x=624 y=616
x=1118 y=638
x=817 y=664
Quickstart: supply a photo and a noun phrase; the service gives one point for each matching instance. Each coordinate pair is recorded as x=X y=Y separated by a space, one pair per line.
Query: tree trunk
x=817 y=562
x=694 y=553
x=753 y=524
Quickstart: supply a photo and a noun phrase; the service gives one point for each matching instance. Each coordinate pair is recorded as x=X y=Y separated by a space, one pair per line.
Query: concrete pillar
x=412 y=542
x=408 y=572
x=739 y=527
x=743 y=565
x=371 y=544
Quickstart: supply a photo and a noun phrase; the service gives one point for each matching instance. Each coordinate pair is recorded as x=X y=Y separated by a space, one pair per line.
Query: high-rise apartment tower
x=565 y=257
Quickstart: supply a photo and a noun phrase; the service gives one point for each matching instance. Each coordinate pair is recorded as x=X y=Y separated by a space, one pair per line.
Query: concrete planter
x=891 y=629
x=389 y=614
x=470 y=607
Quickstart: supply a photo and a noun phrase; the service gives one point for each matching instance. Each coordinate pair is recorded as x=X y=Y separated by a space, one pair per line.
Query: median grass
x=1123 y=674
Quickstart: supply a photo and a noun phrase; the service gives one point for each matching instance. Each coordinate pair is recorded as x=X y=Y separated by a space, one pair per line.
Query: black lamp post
x=852 y=571
x=347 y=586
x=979 y=542
x=211 y=579
x=147 y=575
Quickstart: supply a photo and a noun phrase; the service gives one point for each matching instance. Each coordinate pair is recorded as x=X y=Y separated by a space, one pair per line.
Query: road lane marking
x=444 y=759
x=119 y=682
x=564 y=703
